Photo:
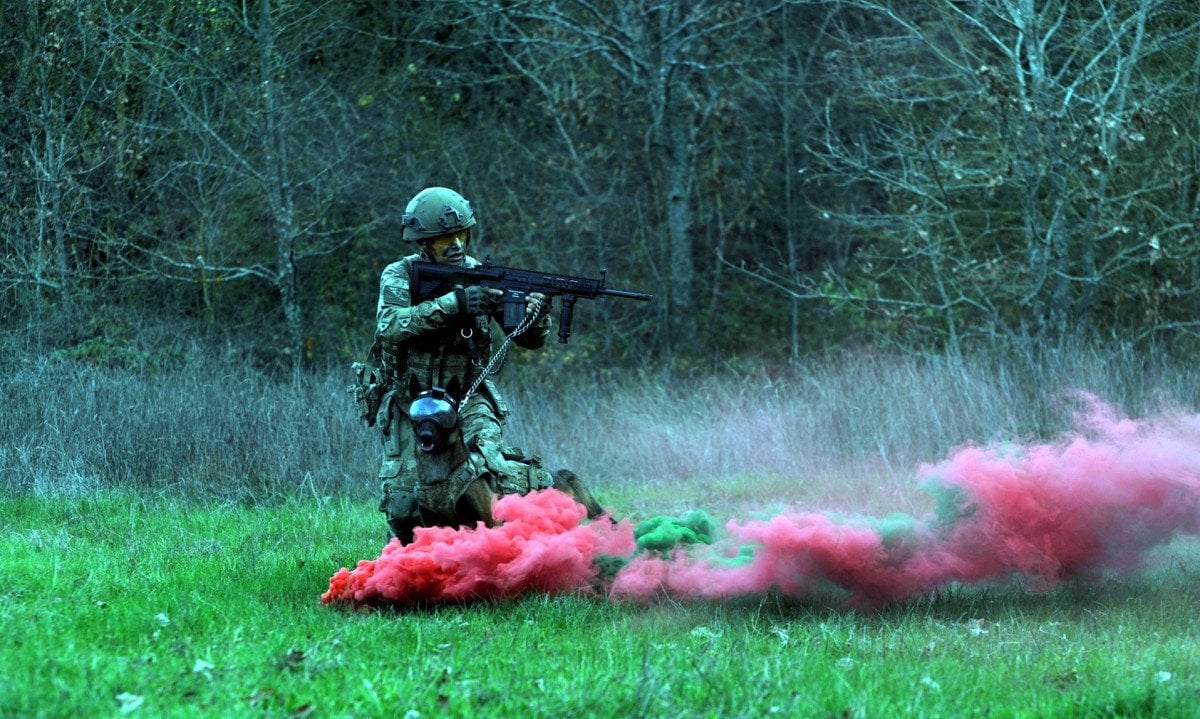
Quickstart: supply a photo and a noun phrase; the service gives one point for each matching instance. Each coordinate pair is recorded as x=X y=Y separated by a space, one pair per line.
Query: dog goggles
x=434 y=406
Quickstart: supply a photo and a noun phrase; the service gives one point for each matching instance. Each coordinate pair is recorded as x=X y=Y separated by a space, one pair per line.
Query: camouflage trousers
x=507 y=470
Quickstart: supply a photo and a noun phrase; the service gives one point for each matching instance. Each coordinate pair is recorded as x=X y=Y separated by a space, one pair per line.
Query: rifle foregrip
x=564 y=320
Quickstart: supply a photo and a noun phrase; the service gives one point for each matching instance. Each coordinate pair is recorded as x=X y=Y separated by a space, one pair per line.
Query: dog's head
x=435 y=421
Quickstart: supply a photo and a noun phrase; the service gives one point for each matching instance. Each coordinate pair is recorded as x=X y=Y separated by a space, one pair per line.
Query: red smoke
x=1045 y=512
x=541 y=546
x=1093 y=502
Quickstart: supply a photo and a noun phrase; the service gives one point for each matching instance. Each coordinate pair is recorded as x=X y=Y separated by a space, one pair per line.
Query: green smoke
x=663 y=534
x=953 y=503
x=894 y=528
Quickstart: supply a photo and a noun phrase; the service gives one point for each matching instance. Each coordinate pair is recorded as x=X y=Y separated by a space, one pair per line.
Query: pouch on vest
x=368 y=388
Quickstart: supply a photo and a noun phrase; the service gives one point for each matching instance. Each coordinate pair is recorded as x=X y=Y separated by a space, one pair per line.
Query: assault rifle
x=430 y=279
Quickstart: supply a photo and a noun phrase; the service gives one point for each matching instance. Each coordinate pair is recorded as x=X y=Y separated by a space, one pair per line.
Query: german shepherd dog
x=450 y=491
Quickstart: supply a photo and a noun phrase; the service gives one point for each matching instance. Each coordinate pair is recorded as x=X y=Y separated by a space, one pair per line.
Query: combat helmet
x=433 y=212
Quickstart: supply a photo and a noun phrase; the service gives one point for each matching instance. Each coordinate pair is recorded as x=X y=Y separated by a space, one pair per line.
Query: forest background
x=784 y=177
x=875 y=230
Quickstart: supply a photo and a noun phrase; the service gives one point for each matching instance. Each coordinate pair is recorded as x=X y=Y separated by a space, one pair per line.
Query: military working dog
x=451 y=488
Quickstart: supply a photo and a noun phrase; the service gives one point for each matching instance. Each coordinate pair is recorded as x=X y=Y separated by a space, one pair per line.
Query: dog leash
x=497 y=359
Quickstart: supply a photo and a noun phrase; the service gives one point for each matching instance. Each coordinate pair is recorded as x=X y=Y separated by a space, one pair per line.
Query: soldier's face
x=449 y=249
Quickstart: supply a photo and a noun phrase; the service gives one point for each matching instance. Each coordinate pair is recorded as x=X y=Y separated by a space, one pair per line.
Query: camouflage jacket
x=430 y=344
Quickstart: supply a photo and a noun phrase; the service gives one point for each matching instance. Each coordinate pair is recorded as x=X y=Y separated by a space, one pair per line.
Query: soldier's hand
x=476 y=300
x=537 y=305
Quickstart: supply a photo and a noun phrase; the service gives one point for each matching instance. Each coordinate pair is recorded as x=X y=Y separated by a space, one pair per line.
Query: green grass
x=190 y=609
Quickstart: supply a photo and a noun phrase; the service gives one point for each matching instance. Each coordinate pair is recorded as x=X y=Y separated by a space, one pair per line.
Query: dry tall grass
x=846 y=427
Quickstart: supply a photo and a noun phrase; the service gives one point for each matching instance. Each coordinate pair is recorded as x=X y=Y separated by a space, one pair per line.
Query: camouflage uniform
x=432 y=344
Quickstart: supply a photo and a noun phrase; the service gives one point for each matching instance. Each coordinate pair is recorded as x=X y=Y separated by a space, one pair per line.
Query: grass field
x=184 y=580
x=125 y=605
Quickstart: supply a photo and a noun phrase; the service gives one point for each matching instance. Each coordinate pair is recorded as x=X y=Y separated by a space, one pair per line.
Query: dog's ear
x=454 y=389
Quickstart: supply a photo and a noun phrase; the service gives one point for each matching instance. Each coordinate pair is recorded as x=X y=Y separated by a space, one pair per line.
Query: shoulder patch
x=395 y=295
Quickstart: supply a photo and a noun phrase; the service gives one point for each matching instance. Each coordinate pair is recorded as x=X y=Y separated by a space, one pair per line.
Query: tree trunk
x=279 y=192
x=679 y=234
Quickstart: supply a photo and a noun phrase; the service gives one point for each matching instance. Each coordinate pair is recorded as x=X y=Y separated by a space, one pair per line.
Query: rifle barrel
x=629 y=295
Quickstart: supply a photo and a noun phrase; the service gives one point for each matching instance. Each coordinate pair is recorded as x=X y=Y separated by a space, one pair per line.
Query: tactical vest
x=451 y=358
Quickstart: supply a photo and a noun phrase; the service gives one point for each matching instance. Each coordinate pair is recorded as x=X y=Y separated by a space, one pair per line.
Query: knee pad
x=514 y=472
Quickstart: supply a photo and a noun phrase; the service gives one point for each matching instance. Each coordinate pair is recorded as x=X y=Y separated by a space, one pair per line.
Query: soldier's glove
x=476 y=300
x=537 y=307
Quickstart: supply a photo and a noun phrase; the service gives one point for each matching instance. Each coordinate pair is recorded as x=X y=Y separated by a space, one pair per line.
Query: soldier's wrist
x=454 y=303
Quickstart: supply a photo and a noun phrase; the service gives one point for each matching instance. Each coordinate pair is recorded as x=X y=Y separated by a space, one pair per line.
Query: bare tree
x=261 y=138
x=652 y=74
x=1002 y=170
x=49 y=155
